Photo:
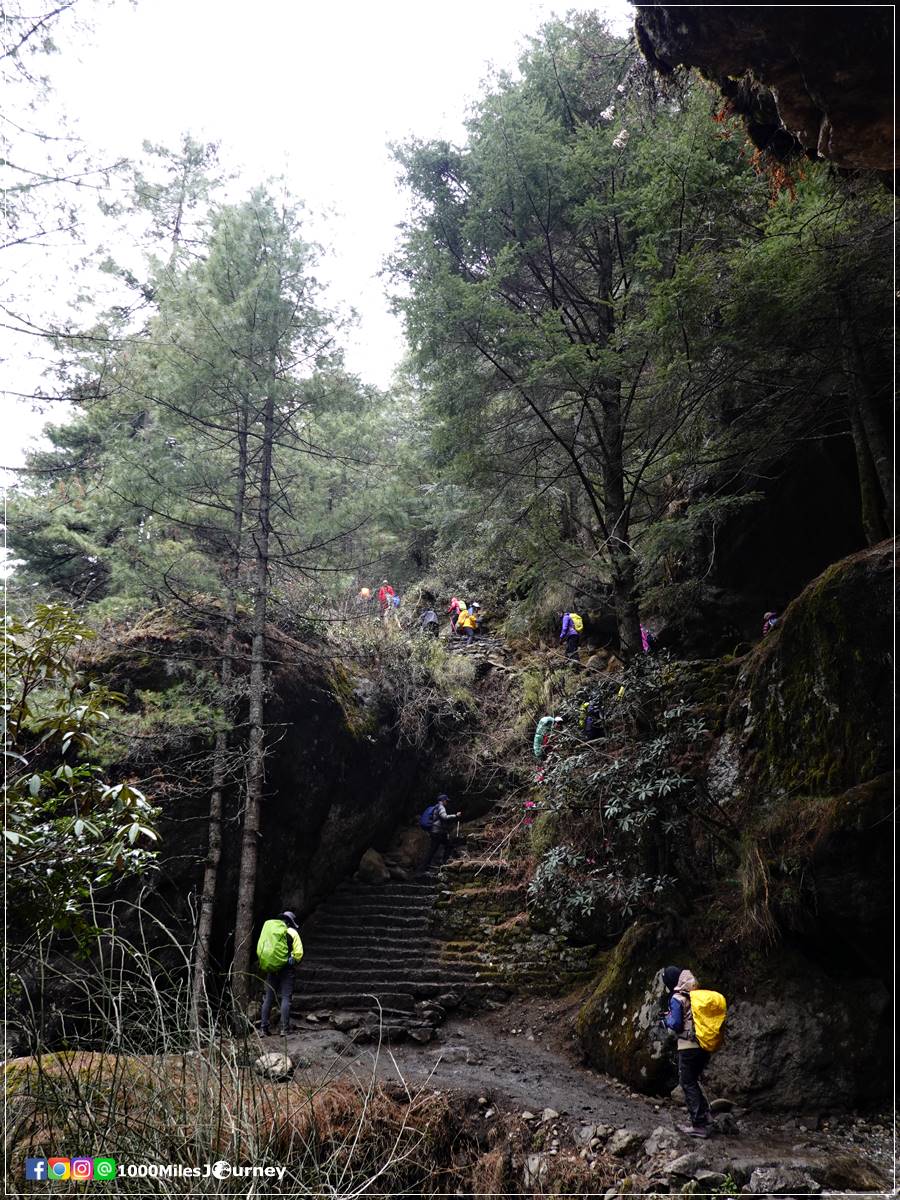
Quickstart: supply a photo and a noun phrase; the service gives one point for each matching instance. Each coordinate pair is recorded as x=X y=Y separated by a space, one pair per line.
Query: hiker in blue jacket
x=692 y=1058
x=439 y=830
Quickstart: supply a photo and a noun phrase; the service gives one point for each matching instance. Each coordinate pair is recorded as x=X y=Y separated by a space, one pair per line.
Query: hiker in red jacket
x=385 y=597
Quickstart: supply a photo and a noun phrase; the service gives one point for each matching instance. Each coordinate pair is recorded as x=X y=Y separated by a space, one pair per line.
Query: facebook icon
x=35 y=1168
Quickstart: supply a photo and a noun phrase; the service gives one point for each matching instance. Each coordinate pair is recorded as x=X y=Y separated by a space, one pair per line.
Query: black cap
x=670 y=977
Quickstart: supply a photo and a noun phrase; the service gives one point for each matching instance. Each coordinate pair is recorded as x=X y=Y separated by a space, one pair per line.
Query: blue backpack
x=427 y=816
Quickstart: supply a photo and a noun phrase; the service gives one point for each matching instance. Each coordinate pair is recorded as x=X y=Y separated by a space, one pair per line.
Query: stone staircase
x=481 y=644
x=372 y=955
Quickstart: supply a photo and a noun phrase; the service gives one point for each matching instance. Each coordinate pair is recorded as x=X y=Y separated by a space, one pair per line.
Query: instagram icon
x=82 y=1168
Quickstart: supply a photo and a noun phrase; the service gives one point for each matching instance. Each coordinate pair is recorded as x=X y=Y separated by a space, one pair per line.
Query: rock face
x=803 y=951
x=813 y=80
x=813 y=709
x=337 y=783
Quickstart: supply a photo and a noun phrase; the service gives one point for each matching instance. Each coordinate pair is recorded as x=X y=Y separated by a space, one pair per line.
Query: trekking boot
x=697 y=1131
x=264 y=1031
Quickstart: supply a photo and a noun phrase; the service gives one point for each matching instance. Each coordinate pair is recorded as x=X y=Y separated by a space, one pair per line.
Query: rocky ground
x=510 y=1069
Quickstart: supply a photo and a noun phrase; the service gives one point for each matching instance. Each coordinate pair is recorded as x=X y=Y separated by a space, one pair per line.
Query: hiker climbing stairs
x=372 y=954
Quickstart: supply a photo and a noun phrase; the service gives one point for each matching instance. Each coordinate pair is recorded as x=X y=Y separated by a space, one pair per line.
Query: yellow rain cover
x=708 y=1010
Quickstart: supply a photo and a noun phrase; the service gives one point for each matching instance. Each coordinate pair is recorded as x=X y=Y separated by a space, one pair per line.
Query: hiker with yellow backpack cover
x=278 y=952
x=697 y=1016
x=572 y=626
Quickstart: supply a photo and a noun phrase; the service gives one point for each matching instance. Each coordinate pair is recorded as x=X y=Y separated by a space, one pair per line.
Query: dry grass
x=757 y=924
x=339 y=1137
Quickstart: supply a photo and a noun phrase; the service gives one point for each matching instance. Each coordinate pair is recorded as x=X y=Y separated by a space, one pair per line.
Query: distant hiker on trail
x=770 y=620
x=542 y=735
x=697 y=1017
x=648 y=641
x=278 y=951
x=467 y=622
x=572 y=626
x=428 y=622
x=437 y=820
x=589 y=720
x=385 y=597
x=454 y=608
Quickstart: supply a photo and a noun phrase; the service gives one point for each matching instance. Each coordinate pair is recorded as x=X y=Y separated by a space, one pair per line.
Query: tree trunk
x=619 y=551
x=220 y=751
x=256 y=751
x=870 y=497
x=863 y=401
x=628 y=617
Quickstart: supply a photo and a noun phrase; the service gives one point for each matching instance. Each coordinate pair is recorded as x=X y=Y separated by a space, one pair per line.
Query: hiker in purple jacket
x=570 y=635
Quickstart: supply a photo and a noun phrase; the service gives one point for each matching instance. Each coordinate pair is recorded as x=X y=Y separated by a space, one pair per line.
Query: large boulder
x=813 y=709
x=407 y=847
x=372 y=868
x=793 y=924
x=796 y=1039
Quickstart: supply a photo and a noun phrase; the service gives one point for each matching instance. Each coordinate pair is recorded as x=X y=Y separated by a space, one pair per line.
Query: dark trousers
x=572 y=645
x=281 y=984
x=440 y=839
x=691 y=1065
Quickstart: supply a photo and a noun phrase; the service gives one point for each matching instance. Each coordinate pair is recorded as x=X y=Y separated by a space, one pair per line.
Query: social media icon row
x=79 y=1169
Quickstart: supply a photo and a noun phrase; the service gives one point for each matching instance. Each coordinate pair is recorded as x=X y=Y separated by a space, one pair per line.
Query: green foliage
x=564 y=270
x=66 y=826
x=428 y=690
x=632 y=798
x=160 y=723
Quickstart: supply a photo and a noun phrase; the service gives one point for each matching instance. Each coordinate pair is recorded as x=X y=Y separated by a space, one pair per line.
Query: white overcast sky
x=305 y=89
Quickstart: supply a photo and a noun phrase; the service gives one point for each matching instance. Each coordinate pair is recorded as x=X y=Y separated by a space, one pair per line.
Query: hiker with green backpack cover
x=697 y=1016
x=278 y=951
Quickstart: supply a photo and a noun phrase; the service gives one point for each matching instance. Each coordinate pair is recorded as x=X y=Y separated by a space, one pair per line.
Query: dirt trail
x=483 y=1057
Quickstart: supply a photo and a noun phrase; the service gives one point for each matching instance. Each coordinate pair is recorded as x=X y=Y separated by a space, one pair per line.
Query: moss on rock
x=814 y=705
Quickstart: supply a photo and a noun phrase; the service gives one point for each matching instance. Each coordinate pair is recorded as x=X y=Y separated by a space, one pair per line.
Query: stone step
x=362 y=948
x=392 y=1004
x=423 y=882
x=385 y=913
x=378 y=900
x=392 y=988
x=352 y=974
x=377 y=912
x=387 y=891
x=411 y=964
x=335 y=929
x=372 y=961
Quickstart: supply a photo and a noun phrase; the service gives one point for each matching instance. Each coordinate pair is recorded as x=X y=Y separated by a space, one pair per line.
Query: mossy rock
x=545 y=833
x=797 y=1034
x=814 y=709
x=615 y=1026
